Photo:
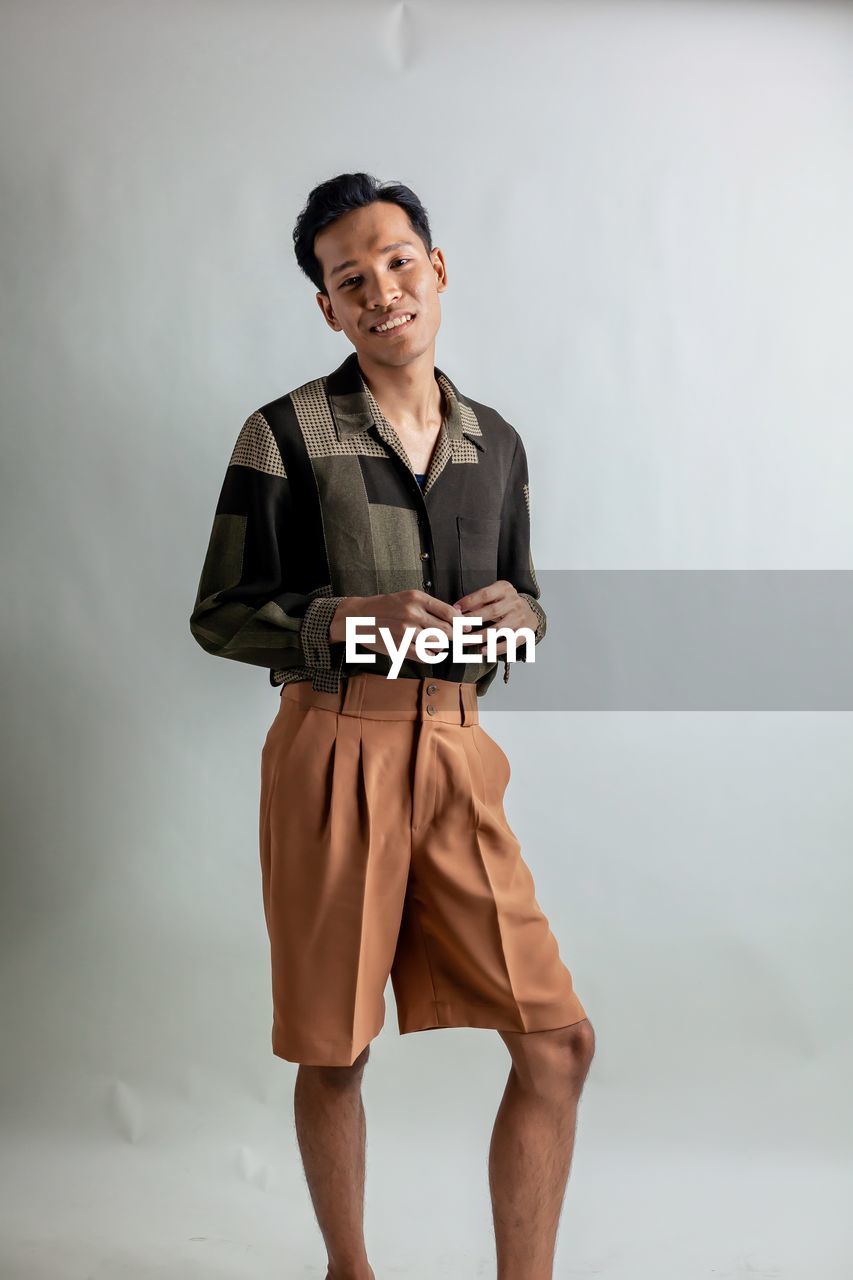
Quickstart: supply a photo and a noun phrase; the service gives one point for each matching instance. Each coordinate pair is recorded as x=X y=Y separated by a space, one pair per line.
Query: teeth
x=393 y=324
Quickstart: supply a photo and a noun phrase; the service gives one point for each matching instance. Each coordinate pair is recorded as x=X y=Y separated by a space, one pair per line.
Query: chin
x=394 y=359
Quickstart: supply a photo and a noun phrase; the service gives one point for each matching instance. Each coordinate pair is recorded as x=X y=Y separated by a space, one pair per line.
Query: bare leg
x=332 y=1135
x=532 y=1143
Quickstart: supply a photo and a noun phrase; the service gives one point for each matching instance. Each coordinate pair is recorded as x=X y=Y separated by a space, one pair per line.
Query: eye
x=351 y=279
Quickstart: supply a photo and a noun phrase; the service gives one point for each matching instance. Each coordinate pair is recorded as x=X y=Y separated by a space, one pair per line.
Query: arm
x=242 y=608
x=515 y=559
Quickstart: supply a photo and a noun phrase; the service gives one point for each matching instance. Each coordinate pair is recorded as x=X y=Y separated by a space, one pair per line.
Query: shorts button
x=430 y=709
x=431 y=688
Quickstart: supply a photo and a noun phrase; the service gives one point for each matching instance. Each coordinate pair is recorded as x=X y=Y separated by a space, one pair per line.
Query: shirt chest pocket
x=478 y=551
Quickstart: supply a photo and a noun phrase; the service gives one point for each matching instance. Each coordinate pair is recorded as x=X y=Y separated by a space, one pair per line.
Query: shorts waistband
x=406 y=698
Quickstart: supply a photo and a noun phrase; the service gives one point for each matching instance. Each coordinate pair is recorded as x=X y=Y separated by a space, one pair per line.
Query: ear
x=325 y=305
x=439 y=266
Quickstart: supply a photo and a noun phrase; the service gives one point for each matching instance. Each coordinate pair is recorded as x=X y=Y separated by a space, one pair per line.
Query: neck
x=409 y=394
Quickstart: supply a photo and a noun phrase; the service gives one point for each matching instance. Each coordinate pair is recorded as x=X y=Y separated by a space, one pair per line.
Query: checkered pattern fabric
x=320 y=502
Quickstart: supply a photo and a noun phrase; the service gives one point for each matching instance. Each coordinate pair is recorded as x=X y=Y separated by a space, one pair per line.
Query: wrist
x=538 y=615
x=348 y=607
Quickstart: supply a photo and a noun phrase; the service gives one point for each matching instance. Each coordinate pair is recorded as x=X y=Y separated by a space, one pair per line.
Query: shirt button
x=427 y=583
x=430 y=709
x=425 y=555
x=431 y=688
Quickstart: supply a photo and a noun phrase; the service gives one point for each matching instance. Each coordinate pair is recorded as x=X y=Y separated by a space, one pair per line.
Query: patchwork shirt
x=320 y=502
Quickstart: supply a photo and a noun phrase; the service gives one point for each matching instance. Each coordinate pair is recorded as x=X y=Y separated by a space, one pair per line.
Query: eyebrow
x=398 y=244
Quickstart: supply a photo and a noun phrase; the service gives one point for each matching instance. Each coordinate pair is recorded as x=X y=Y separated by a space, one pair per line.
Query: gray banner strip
x=688 y=640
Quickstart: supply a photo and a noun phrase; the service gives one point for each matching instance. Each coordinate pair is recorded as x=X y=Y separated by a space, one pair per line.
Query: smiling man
x=382 y=491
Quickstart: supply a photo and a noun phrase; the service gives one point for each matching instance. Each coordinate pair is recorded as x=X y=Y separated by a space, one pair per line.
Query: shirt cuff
x=315 y=633
x=542 y=621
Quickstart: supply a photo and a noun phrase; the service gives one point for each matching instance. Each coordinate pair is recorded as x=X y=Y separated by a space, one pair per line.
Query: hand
x=396 y=611
x=499 y=605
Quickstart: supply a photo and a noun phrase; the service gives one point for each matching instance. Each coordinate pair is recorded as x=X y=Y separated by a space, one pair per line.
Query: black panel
x=386 y=483
x=310 y=567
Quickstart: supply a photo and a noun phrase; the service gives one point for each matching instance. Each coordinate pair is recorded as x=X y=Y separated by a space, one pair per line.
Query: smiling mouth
x=395 y=328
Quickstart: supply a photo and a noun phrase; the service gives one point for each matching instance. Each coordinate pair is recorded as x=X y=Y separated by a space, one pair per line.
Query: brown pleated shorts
x=385 y=851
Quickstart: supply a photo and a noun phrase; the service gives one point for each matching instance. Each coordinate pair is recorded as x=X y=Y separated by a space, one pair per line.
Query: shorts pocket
x=496 y=764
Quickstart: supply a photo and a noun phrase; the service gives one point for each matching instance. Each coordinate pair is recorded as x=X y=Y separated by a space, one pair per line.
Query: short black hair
x=337 y=196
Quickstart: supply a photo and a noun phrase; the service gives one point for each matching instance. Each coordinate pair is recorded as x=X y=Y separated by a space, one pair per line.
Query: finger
x=435 y=608
x=501 y=615
x=477 y=600
x=474 y=602
x=435 y=624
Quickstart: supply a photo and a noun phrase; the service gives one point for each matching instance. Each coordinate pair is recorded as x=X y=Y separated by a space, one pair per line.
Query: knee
x=582 y=1043
x=557 y=1062
x=339 y=1077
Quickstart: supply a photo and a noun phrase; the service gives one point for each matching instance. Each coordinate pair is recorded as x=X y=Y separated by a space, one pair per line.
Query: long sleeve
x=515 y=558
x=252 y=603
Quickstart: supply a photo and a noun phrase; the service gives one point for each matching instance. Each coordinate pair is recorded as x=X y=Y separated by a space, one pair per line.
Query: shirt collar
x=352 y=405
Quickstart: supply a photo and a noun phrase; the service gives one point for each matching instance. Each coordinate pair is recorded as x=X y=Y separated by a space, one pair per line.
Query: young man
x=381 y=491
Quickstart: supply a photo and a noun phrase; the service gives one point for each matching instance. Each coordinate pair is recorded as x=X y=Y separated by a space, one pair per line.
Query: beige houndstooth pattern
x=318 y=427
x=256 y=447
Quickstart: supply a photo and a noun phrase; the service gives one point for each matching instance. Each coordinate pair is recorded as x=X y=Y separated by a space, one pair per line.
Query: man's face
x=375 y=266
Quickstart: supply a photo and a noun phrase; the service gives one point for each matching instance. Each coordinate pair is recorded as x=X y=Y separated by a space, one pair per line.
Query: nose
x=382 y=292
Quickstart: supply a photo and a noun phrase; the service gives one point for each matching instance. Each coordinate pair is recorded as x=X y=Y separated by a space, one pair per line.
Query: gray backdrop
x=645 y=210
